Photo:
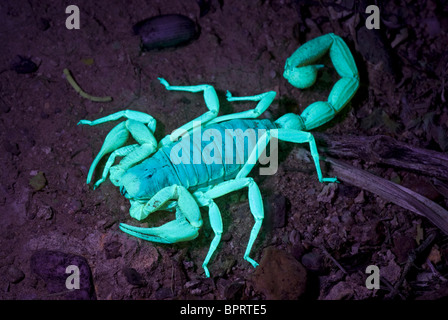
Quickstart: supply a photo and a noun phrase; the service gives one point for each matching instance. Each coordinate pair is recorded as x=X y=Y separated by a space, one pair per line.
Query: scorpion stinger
x=301 y=72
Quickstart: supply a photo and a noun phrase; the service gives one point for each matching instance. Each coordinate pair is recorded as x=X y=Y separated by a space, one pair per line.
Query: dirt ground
x=317 y=239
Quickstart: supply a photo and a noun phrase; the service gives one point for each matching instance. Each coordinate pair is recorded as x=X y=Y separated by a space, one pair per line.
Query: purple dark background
x=51 y=218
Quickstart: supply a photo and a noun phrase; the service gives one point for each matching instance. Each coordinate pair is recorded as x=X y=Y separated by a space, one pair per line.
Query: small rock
x=368 y=233
x=341 y=291
x=45 y=212
x=403 y=245
x=196 y=292
x=23 y=65
x=4 y=107
x=279 y=276
x=43 y=24
x=188 y=264
x=51 y=267
x=38 y=182
x=421 y=185
x=328 y=193
x=297 y=251
x=163 y=293
x=112 y=250
x=192 y=284
x=14 y=274
x=74 y=206
x=360 y=197
x=276 y=207
x=434 y=255
x=294 y=237
x=11 y=148
x=313 y=261
x=133 y=277
x=392 y=271
x=234 y=291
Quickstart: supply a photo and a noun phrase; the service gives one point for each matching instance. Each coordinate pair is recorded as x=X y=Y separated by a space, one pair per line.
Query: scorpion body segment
x=164 y=168
x=181 y=173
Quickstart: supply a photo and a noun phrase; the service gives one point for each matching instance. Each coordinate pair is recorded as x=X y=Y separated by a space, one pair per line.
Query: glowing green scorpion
x=160 y=183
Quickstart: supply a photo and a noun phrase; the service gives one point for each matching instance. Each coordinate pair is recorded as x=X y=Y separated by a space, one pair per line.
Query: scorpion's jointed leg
x=186 y=225
x=211 y=101
x=297 y=136
x=265 y=99
x=216 y=224
x=122 y=152
x=140 y=125
x=301 y=73
x=255 y=204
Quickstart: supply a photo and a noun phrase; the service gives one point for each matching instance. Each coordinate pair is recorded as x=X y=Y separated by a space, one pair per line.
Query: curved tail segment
x=301 y=72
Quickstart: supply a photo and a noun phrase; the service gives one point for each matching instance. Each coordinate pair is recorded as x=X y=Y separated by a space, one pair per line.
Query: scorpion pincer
x=154 y=177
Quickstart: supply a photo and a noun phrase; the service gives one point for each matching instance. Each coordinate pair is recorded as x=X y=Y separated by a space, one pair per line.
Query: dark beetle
x=165 y=31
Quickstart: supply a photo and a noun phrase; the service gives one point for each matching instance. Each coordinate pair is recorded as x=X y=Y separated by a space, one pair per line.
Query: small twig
x=60 y=293
x=411 y=259
x=333 y=259
x=391 y=191
x=81 y=92
x=390 y=287
x=434 y=270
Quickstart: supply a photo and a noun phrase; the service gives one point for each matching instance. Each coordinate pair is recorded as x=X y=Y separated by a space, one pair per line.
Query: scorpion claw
x=171 y=232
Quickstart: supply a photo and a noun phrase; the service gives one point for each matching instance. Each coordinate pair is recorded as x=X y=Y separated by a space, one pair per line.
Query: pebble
x=163 y=293
x=279 y=276
x=11 y=148
x=313 y=261
x=38 y=182
x=133 y=277
x=234 y=291
x=276 y=207
x=360 y=198
x=45 y=212
x=112 y=249
x=23 y=65
x=51 y=266
x=14 y=274
x=328 y=193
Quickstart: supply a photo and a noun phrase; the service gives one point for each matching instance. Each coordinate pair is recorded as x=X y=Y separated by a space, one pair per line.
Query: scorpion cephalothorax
x=150 y=178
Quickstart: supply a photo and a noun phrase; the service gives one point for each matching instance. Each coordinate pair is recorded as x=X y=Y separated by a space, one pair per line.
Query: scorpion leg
x=255 y=204
x=127 y=114
x=124 y=151
x=147 y=146
x=265 y=99
x=186 y=225
x=140 y=125
x=211 y=101
x=115 y=139
x=297 y=136
x=216 y=224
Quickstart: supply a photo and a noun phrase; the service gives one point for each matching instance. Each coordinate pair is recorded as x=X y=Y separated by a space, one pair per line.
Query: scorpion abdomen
x=218 y=151
x=215 y=153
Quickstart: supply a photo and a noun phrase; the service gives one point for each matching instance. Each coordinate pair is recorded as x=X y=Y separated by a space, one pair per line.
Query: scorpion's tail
x=301 y=72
